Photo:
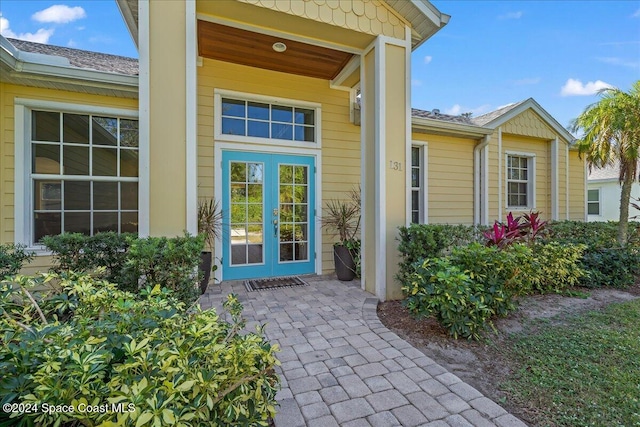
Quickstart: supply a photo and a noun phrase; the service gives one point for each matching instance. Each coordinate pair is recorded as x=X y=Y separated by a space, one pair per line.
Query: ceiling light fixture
x=279 y=47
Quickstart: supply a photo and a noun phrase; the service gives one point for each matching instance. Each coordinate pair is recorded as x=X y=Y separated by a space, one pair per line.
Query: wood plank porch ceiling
x=243 y=47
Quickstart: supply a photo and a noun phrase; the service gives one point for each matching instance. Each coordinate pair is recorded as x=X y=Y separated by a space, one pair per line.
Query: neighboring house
x=603 y=194
x=253 y=102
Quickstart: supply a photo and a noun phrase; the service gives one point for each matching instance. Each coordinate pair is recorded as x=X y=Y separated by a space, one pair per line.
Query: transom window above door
x=248 y=118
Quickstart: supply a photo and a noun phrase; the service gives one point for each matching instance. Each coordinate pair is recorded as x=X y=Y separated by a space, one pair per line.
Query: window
x=520 y=179
x=417 y=185
x=265 y=120
x=83 y=174
x=593 y=202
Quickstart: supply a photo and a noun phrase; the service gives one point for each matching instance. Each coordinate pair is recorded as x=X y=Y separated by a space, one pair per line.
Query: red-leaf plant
x=524 y=227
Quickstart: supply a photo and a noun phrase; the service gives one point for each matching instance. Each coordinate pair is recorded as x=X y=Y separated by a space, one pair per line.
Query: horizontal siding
x=450 y=178
x=340 y=138
x=576 y=187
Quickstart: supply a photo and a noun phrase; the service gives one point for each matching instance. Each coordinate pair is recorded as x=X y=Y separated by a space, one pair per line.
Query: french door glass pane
x=46 y=159
x=46 y=224
x=45 y=126
x=294 y=213
x=75 y=128
x=247 y=194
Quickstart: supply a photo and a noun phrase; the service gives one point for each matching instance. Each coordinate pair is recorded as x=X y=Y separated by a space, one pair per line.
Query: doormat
x=273 y=283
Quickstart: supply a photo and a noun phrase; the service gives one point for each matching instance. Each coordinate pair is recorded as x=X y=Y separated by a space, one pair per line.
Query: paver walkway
x=342 y=367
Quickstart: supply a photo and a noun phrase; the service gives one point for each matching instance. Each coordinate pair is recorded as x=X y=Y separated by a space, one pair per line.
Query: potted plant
x=343 y=218
x=210 y=225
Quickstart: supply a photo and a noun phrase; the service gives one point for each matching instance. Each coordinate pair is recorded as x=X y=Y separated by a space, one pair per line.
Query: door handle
x=275 y=228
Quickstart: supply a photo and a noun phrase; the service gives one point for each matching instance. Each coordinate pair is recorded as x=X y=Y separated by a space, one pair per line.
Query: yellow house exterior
x=471 y=171
x=273 y=108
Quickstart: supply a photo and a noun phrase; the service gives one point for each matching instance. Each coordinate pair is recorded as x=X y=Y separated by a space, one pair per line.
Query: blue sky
x=490 y=54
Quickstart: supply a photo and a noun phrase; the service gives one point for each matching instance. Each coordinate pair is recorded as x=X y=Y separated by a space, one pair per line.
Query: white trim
x=265 y=148
x=480 y=184
x=21 y=158
x=191 y=118
x=363 y=180
x=277 y=33
x=408 y=129
x=599 y=214
x=347 y=70
x=424 y=181
x=500 y=154
x=380 y=163
x=554 y=179
x=531 y=180
x=67 y=107
x=485 y=183
x=219 y=136
x=586 y=190
x=568 y=215
x=144 y=124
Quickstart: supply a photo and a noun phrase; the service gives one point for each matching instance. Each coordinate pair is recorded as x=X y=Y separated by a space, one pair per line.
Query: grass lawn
x=585 y=372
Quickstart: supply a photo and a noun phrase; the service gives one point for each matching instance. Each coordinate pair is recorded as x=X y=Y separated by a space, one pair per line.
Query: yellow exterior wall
x=529 y=123
x=562 y=181
x=7 y=146
x=366 y=16
x=340 y=138
x=450 y=178
x=541 y=150
x=577 y=173
x=396 y=103
x=167 y=130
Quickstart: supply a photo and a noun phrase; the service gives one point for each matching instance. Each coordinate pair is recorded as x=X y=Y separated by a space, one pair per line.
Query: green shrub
x=88 y=343
x=12 y=258
x=490 y=264
x=462 y=305
x=612 y=267
x=422 y=241
x=79 y=252
x=170 y=262
x=556 y=267
x=604 y=261
x=132 y=262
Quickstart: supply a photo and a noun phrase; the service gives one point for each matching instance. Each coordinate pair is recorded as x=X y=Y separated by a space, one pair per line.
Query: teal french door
x=268 y=215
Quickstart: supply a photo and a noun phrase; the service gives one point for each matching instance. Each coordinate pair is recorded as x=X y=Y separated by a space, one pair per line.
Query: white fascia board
x=420 y=124
x=129 y=19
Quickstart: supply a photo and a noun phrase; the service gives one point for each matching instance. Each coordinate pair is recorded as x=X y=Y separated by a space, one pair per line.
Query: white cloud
x=41 y=36
x=71 y=43
x=620 y=61
x=527 y=81
x=416 y=82
x=458 y=109
x=575 y=87
x=60 y=14
x=427 y=59
x=511 y=15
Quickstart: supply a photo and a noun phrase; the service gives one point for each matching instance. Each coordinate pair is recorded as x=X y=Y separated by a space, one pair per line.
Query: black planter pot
x=206 y=258
x=345 y=265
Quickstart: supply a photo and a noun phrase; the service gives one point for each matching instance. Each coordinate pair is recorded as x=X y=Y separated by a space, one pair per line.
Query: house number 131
x=396 y=166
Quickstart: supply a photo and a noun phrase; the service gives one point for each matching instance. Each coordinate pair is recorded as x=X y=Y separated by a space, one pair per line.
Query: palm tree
x=611 y=135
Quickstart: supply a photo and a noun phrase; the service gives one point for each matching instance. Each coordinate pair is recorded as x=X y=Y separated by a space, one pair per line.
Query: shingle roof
x=489 y=117
x=83 y=58
x=436 y=115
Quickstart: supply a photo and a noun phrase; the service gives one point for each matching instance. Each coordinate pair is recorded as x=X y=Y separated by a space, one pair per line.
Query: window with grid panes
x=84 y=174
x=271 y=121
x=518 y=181
x=593 y=202
x=416 y=185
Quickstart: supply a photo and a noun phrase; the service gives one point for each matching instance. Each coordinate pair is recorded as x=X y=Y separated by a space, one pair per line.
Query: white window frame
x=23 y=200
x=531 y=181
x=423 y=204
x=241 y=96
x=599 y=201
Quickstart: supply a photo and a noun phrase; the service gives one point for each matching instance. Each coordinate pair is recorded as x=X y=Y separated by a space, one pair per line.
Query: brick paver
x=342 y=367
